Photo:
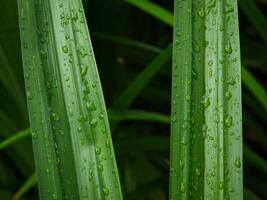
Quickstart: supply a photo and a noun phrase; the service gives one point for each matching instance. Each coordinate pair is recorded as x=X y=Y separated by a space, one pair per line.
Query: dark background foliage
x=125 y=41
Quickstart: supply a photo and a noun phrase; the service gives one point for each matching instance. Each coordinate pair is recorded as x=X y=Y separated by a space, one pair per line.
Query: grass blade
x=153 y=9
x=206 y=141
x=14 y=138
x=133 y=90
x=114 y=115
x=71 y=136
x=254 y=87
x=255 y=15
x=29 y=184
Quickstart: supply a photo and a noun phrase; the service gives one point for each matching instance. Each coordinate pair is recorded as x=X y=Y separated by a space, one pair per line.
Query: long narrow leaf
x=206 y=140
x=71 y=136
x=248 y=79
x=153 y=9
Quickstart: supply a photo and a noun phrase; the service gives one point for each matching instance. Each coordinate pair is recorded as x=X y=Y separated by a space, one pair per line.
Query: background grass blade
x=255 y=15
x=68 y=117
x=153 y=9
x=254 y=87
x=136 y=86
x=29 y=184
x=14 y=138
x=206 y=141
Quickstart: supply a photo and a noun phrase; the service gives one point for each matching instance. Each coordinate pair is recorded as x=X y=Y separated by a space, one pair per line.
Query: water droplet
x=228 y=95
x=106 y=191
x=187 y=98
x=228 y=121
x=206 y=102
x=196 y=47
x=43 y=55
x=55 y=116
x=98 y=150
x=29 y=96
x=93 y=122
x=197 y=172
x=65 y=49
x=182 y=188
x=228 y=48
x=201 y=12
x=237 y=162
x=34 y=135
x=100 y=167
x=220 y=185
x=90 y=106
x=231 y=81
x=184 y=141
x=84 y=69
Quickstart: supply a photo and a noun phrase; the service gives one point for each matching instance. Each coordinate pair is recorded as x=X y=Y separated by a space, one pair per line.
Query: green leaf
x=206 y=128
x=255 y=15
x=153 y=9
x=29 y=184
x=72 y=143
x=138 y=84
x=14 y=138
x=114 y=115
x=254 y=87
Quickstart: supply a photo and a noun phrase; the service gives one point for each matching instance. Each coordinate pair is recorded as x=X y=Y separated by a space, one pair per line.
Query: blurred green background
x=127 y=41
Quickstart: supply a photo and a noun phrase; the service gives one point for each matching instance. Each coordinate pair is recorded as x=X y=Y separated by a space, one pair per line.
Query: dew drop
x=237 y=162
x=228 y=121
x=90 y=106
x=65 y=49
x=55 y=116
x=106 y=191
x=182 y=188
x=98 y=150
x=93 y=122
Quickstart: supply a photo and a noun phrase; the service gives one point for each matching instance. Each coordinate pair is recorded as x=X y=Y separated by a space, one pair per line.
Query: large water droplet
x=182 y=188
x=90 y=106
x=237 y=162
x=228 y=121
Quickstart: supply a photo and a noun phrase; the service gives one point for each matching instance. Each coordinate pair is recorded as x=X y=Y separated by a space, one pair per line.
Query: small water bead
x=194 y=75
x=43 y=55
x=22 y=14
x=187 y=98
x=210 y=63
x=231 y=81
x=34 y=135
x=90 y=106
x=29 y=96
x=174 y=119
x=198 y=173
x=228 y=48
x=65 y=49
x=237 y=162
x=54 y=196
x=55 y=117
x=100 y=167
x=106 y=191
x=184 y=141
x=206 y=102
x=182 y=188
x=84 y=69
x=98 y=150
x=196 y=47
x=228 y=121
x=93 y=122
x=201 y=13
x=228 y=95
x=220 y=185
x=177 y=42
x=74 y=15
